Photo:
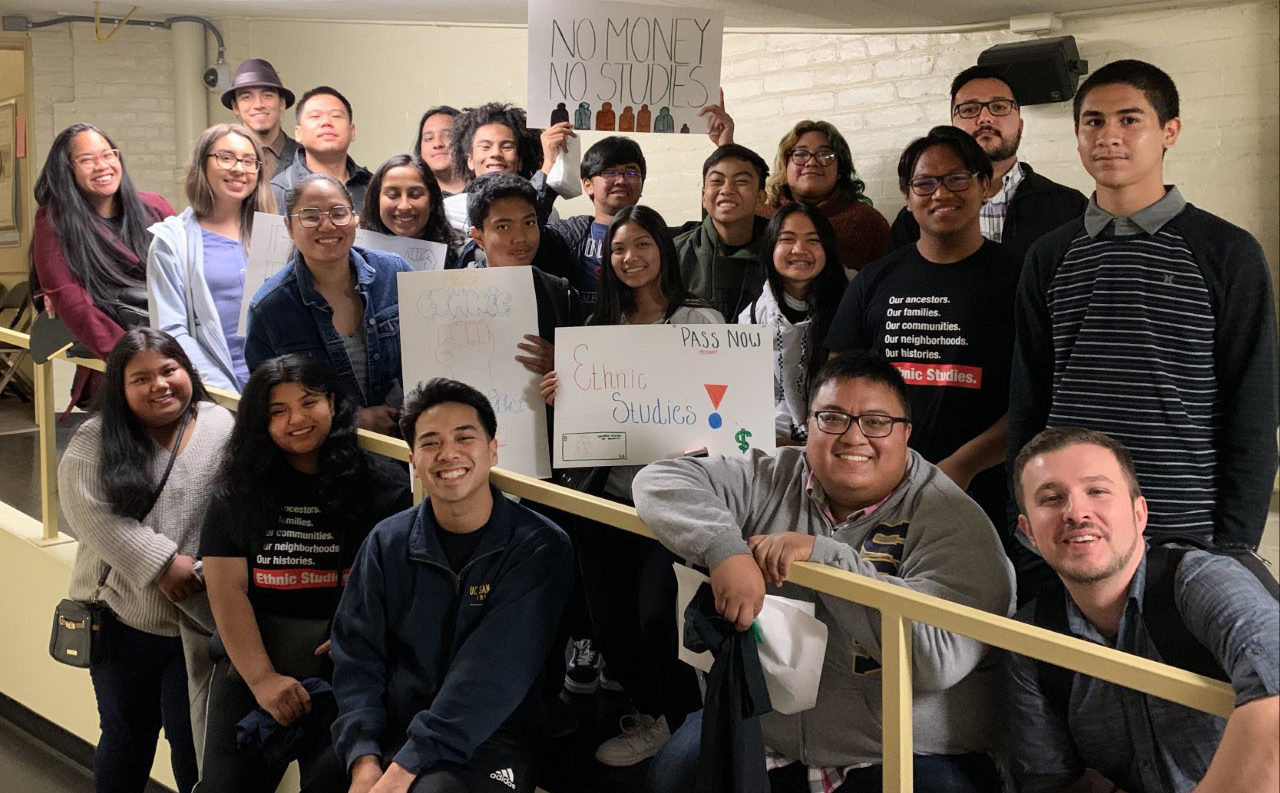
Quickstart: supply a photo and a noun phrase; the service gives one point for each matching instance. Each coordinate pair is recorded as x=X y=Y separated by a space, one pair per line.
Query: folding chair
x=17 y=313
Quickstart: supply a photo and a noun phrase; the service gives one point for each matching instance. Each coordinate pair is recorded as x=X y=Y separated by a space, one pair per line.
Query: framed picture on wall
x=9 y=173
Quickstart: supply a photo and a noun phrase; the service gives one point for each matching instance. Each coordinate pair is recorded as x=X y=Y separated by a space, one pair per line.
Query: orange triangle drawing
x=716 y=392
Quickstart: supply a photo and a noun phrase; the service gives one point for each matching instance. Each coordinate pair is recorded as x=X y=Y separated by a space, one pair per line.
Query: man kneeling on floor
x=447 y=617
x=1083 y=511
x=858 y=499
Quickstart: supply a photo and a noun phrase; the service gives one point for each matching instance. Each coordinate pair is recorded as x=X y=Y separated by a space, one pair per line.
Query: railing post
x=895 y=665
x=48 y=441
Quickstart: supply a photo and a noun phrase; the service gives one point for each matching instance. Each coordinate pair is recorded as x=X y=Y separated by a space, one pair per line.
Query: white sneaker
x=642 y=736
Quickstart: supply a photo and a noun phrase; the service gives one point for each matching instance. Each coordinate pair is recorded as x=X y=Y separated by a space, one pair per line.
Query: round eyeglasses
x=310 y=217
x=226 y=161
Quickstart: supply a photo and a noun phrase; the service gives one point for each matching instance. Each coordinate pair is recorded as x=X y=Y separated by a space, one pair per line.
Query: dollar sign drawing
x=741 y=437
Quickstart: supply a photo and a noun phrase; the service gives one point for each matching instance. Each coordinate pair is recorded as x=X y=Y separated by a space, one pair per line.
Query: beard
x=1007 y=148
x=1115 y=565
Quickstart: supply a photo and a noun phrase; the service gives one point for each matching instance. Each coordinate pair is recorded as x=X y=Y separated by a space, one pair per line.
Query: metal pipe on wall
x=190 y=110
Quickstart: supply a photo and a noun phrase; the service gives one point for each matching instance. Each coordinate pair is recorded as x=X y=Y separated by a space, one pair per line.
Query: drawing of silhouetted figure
x=561 y=113
x=664 y=122
x=643 y=119
x=627 y=122
x=582 y=116
x=684 y=129
x=606 y=118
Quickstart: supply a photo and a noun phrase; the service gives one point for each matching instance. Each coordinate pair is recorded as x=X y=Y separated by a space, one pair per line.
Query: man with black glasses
x=1021 y=205
x=856 y=498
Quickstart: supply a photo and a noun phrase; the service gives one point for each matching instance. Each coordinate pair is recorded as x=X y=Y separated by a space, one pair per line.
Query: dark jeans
x=140 y=685
x=675 y=768
x=574 y=622
x=500 y=765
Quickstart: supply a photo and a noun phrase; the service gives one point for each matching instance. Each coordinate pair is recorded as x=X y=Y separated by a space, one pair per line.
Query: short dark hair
x=1157 y=86
x=962 y=143
x=509 y=116
x=865 y=365
x=490 y=188
x=980 y=73
x=1053 y=439
x=610 y=152
x=438 y=391
x=320 y=90
x=733 y=151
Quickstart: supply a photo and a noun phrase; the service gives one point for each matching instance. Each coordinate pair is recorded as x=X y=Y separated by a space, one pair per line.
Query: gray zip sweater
x=928 y=536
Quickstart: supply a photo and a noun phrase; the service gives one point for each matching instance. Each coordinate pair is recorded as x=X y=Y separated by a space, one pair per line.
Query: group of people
x=966 y=401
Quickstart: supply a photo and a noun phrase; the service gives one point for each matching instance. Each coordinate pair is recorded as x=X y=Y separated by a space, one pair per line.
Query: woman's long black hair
x=128 y=452
x=253 y=466
x=437 y=228
x=825 y=291
x=88 y=244
x=615 y=298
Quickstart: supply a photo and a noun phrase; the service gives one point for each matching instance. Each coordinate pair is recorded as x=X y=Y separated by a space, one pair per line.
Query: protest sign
x=465 y=325
x=270 y=248
x=622 y=67
x=632 y=394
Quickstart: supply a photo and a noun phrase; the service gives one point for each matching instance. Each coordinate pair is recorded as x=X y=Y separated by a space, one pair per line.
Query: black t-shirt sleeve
x=218 y=534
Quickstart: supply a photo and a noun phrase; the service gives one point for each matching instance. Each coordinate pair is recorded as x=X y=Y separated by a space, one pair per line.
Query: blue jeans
x=676 y=767
x=140 y=684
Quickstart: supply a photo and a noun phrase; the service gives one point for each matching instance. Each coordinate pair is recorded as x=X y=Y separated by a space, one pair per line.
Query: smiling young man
x=718 y=255
x=856 y=498
x=447 y=617
x=257 y=97
x=941 y=311
x=1021 y=205
x=1083 y=510
x=1151 y=320
x=326 y=129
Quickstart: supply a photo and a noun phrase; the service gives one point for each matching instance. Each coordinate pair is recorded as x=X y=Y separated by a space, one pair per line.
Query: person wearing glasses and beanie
x=857 y=498
x=941 y=311
x=1022 y=205
x=333 y=301
x=197 y=260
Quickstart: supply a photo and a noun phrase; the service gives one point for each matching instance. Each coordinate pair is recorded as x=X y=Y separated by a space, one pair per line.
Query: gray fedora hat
x=256 y=73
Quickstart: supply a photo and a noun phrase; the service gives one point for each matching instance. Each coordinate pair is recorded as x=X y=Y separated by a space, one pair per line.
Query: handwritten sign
x=270 y=249
x=634 y=394
x=622 y=67
x=465 y=325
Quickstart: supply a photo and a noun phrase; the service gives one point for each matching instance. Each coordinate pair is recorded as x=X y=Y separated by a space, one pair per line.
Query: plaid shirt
x=991 y=216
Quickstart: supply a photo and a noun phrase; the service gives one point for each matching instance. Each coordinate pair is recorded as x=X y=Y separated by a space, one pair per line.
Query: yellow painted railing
x=899 y=607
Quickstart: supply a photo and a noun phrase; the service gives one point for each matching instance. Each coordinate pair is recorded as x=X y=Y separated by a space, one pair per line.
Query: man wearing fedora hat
x=257 y=98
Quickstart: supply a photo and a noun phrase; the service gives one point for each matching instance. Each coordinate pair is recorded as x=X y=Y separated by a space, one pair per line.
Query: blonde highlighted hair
x=778 y=192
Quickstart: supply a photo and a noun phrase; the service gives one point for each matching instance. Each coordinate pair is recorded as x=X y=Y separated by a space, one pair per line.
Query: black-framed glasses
x=802 y=156
x=928 y=185
x=997 y=107
x=310 y=217
x=226 y=161
x=872 y=425
x=614 y=173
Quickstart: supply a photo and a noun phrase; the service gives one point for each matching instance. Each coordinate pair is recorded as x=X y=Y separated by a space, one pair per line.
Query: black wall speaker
x=1039 y=71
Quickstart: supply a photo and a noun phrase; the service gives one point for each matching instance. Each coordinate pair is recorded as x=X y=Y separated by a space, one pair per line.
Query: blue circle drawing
x=714 y=421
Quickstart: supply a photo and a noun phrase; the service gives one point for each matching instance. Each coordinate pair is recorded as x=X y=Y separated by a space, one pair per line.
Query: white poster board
x=465 y=325
x=622 y=67
x=633 y=394
x=270 y=248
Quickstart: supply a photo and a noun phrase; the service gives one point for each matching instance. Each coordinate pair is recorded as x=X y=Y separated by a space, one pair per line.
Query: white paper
x=566 y=172
x=622 y=67
x=632 y=394
x=465 y=325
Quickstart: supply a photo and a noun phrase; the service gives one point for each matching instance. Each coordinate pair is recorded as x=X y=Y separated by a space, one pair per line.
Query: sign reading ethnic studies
x=622 y=67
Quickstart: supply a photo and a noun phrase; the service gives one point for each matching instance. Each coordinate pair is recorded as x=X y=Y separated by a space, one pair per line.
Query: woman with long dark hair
x=404 y=200
x=804 y=286
x=293 y=501
x=138 y=534
x=196 y=263
x=90 y=243
x=625 y=576
x=433 y=146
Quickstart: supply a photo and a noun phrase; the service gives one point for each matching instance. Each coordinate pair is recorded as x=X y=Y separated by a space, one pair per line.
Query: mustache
x=991 y=130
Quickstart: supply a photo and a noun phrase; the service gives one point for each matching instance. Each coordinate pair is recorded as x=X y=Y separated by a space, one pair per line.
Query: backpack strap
x=1163 y=620
x=1049 y=610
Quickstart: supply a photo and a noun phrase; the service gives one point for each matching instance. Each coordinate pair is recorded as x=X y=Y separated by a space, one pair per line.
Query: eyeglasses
x=872 y=425
x=612 y=173
x=928 y=185
x=310 y=217
x=87 y=162
x=226 y=161
x=997 y=107
x=802 y=156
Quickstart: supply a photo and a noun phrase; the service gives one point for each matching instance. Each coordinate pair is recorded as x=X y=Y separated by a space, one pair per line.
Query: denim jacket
x=288 y=315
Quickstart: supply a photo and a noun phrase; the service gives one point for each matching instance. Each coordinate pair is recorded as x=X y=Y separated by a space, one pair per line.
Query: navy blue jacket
x=427 y=665
x=288 y=315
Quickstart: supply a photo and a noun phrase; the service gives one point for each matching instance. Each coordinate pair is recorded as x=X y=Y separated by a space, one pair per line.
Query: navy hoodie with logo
x=429 y=664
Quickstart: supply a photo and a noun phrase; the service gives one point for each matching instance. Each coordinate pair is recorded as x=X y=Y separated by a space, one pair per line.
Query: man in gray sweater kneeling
x=858 y=499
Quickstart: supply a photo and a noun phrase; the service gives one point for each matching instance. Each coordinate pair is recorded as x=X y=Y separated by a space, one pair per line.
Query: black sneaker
x=582 y=673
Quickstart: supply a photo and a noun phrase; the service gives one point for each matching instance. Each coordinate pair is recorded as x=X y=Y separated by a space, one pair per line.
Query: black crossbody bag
x=76 y=639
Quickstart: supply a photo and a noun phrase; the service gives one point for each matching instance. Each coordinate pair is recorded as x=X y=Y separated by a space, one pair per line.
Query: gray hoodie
x=928 y=536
